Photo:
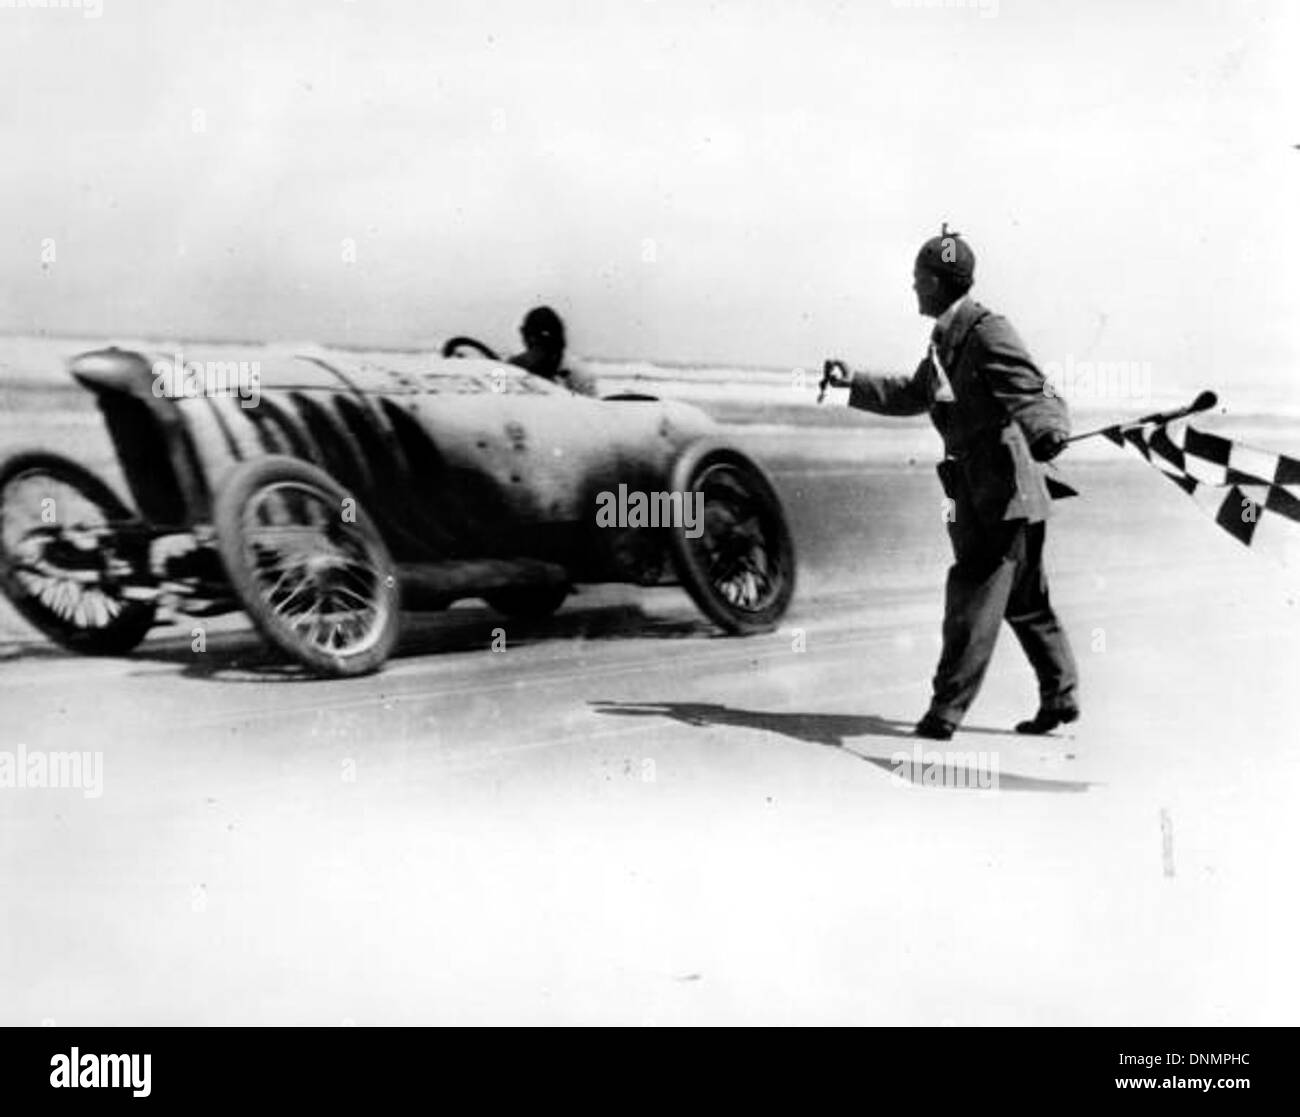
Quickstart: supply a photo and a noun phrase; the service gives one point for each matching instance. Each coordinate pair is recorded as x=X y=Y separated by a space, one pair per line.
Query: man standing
x=998 y=423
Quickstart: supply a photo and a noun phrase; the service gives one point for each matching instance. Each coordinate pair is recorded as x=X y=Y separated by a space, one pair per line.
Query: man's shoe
x=934 y=727
x=1048 y=719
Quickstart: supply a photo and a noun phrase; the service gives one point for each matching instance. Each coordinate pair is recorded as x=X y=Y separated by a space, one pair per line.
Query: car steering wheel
x=453 y=346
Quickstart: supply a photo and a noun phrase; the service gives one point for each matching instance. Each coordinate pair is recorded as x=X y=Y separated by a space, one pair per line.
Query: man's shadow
x=831 y=730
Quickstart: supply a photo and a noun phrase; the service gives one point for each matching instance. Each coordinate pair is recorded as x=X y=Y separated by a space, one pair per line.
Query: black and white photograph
x=650 y=513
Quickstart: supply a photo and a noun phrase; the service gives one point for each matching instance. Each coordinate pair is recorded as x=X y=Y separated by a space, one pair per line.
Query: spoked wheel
x=456 y=346
x=308 y=565
x=740 y=569
x=69 y=548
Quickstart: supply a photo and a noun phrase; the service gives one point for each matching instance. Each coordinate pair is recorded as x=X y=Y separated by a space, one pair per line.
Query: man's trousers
x=998 y=575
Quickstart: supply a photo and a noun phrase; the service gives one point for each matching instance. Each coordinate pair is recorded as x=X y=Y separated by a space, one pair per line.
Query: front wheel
x=69 y=551
x=308 y=564
x=737 y=562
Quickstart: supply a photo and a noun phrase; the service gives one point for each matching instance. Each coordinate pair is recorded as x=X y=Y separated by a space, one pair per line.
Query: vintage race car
x=327 y=492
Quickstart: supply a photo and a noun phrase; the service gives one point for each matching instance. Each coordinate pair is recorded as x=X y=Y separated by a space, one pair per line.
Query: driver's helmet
x=542 y=324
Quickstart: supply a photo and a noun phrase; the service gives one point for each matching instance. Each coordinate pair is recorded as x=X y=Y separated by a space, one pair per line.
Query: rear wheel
x=67 y=555
x=740 y=568
x=309 y=565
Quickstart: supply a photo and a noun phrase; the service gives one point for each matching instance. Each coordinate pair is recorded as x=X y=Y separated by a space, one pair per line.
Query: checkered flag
x=1254 y=495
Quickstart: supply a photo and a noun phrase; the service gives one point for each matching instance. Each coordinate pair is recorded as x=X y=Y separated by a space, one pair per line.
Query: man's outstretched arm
x=885 y=395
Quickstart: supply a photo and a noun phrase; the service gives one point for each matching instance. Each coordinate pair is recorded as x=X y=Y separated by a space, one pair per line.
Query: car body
x=384 y=481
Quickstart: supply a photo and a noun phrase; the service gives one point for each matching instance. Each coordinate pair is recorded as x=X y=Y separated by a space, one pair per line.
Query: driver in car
x=543 y=334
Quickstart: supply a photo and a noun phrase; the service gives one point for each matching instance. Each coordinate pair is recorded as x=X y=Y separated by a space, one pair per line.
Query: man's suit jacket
x=1000 y=408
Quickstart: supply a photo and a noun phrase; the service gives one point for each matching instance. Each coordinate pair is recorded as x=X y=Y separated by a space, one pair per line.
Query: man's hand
x=836 y=374
x=1047 y=446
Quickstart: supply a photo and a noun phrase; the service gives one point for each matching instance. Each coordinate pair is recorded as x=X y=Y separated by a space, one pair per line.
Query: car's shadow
x=242 y=656
x=967 y=765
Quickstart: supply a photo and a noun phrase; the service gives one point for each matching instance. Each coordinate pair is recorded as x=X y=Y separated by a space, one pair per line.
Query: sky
x=728 y=182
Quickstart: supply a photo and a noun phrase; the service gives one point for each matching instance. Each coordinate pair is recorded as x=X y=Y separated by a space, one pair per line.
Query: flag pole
x=1203 y=402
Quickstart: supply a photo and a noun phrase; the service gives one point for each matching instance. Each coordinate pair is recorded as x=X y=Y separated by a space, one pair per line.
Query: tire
x=293 y=550
x=740 y=570
x=527 y=602
x=74 y=610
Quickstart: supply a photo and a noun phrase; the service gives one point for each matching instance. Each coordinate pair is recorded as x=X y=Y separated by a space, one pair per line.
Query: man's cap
x=948 y=254
x=542 y=322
